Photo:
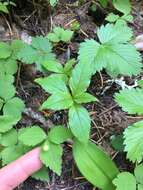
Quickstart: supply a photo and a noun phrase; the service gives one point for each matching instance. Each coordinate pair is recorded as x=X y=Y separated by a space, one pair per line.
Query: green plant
x=131 y=102
x=68 y=88
x=126 y=180
x=4 y=5
x=59 y=34
x=123 y=6
x=112 y=53
x=39 y=52
x=53 y=2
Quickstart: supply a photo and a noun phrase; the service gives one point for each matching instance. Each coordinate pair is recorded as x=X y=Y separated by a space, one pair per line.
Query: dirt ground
x=37 y=18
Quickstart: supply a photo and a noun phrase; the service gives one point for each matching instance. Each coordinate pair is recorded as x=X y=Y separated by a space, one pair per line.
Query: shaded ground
x=107 y=117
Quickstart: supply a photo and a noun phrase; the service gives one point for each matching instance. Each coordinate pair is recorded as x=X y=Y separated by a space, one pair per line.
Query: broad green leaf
x=59 y=134
x=3 y=8
x=88 y=52
x=16 y=46
x=114 y=33
x=85 y=98
x=79 y=122
x=58 y=101
x=8 y=66
x=7 y=122
x=140 y=187
x=131 y=100
x=80 y=78
x=124 y=59
x=123 y=6
x=125 y=181
x=41 y=175
x=114 y=53
x=60 y=34
x=7 y=89
x=95 y=165
x=5 y=50
x=53 y=84
x=133 y=142
x=11 y=153
x=53 y=65
x=139 y=173
x=38 y=52
x=14 y=107
x=9 y=138
x=52 y=157
x=32 y=136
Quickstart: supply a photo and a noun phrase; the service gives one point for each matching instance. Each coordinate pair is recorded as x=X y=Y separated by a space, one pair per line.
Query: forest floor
x=31 y=18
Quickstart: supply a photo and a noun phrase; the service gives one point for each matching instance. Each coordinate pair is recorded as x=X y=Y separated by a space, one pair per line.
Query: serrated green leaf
x=114 y=52
x=88 y=52
x=114 y=33
x=8 y=66
x=79 y=122
x=125 y=181
x=95 y=165
x=16 y=46
x=85 y=98
x=14 y=107
x=9 y=138
x=53 y=84
x=7 y=122
x=11 y=153
x=59 y=134
x=5 y=50
x=52 y=157
x=80 y=78
x=139 y=173
x=58 y=101
x=131 y=100
x=123 y=6
x=38 y=52
x=41 y=175
x=60 y=34
x=125 y=60
x=8 y=90
x=133 y=142
x=32 y=136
